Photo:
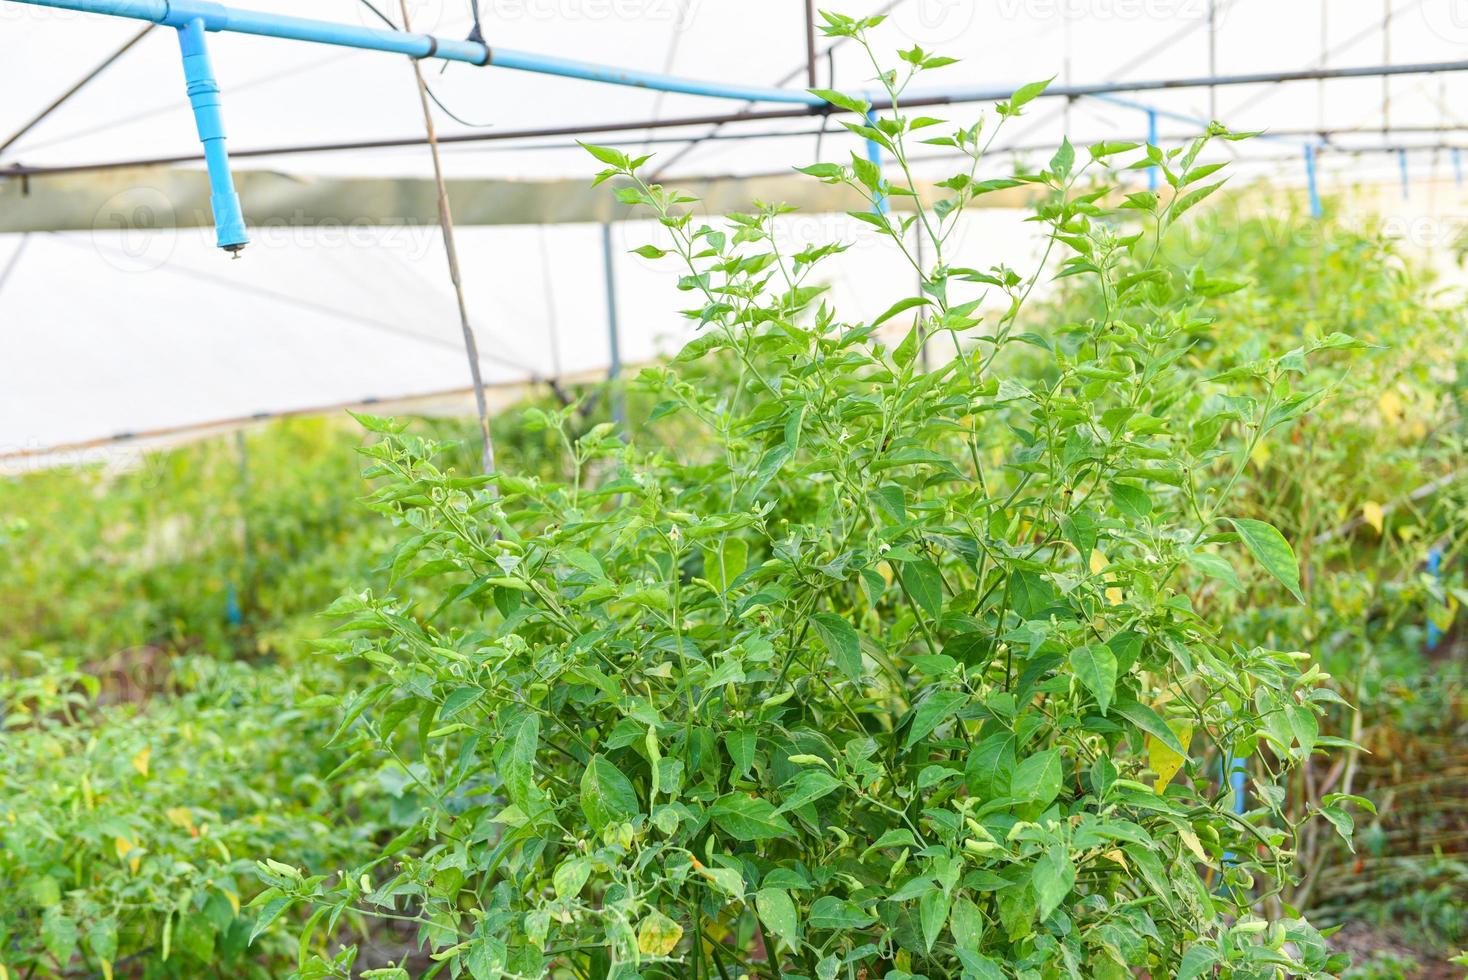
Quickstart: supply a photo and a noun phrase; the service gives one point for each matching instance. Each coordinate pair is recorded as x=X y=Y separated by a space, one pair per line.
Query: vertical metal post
x=451 y=251
x=1212 y=58
x=1386 y=59
x=614 y=339
x=229 y=221
x=243 y=598
x=810 y=44
x=1402 y=166
x=1152 y=141
x=1310 y=183
x=1324 y=60
x=1457 y=166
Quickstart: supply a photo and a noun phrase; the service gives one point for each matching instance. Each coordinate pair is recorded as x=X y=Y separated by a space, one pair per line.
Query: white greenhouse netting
x=129 y=325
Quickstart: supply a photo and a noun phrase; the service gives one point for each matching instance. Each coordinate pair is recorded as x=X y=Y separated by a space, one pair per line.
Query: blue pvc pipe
x=588 y=71
x=1402 y=166
x=1152 y=141
x=218 y=17
x=229 y=219
x=1458 y=167
x=1315 y=209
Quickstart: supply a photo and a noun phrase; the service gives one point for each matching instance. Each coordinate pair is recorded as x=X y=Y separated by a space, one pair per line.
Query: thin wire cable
x=228 y=282
x=1322 y=61
x=669 y=58
x=446 y=223
x=20 y=248
x=85 y=80
x=171 y=106
x=788 y=77
x=431 y=93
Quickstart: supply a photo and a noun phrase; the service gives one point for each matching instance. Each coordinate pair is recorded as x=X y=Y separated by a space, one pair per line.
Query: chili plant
x=891 y=671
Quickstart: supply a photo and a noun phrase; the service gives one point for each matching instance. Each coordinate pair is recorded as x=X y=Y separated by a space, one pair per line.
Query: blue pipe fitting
x=229 y=219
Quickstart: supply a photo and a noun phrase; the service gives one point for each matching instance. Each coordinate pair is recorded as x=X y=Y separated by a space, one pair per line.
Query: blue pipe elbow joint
x=192 y=20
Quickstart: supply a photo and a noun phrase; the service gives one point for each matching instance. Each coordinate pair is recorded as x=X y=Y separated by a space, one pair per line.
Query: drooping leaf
x=1095 y=667
x=1272 y=551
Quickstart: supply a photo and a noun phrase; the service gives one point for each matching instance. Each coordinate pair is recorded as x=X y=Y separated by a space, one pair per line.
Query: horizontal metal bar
x=590 y=129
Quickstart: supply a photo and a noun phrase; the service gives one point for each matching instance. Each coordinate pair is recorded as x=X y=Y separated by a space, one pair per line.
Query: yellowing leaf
x=234 y=901
x=1260 y=456
x=140 y=761
x=1098 y=565
x=1162 y=759
x=658 y=935
x=1372 y=514
x=1390 y=405
x=180 y=816
x=1196 y=846
x=124 y=847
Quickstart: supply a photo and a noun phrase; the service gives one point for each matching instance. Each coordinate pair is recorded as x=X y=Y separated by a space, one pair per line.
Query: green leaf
x=1028 y=93
x=841 y=641
x=459 y=699
x=844 y=101
x=749 y=818
x=272 y=911
x=900 y=306
x=1037 y=778
x=1131 y=501
x=830 y=912
x=607 y=155
x=725 y=562
x=933 y=914
x=59 y=933
x=1095 y=667
x=1196 y=962
x=807 y=787
x=1271 y=550
x=1150 y=722
x=935 y=709
x=966 y=923
x=924 y=583
x=1053 y=877
x=1215 y=566
x=777 y=912
x=519 y=765
x=607 y=795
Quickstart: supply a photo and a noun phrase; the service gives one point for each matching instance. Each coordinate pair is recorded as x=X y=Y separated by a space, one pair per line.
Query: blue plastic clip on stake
x=229 y=220
x=874 y=154
x=1435 y=569
x=1310 y=184
x=1236 y=769
x=1402 y=165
